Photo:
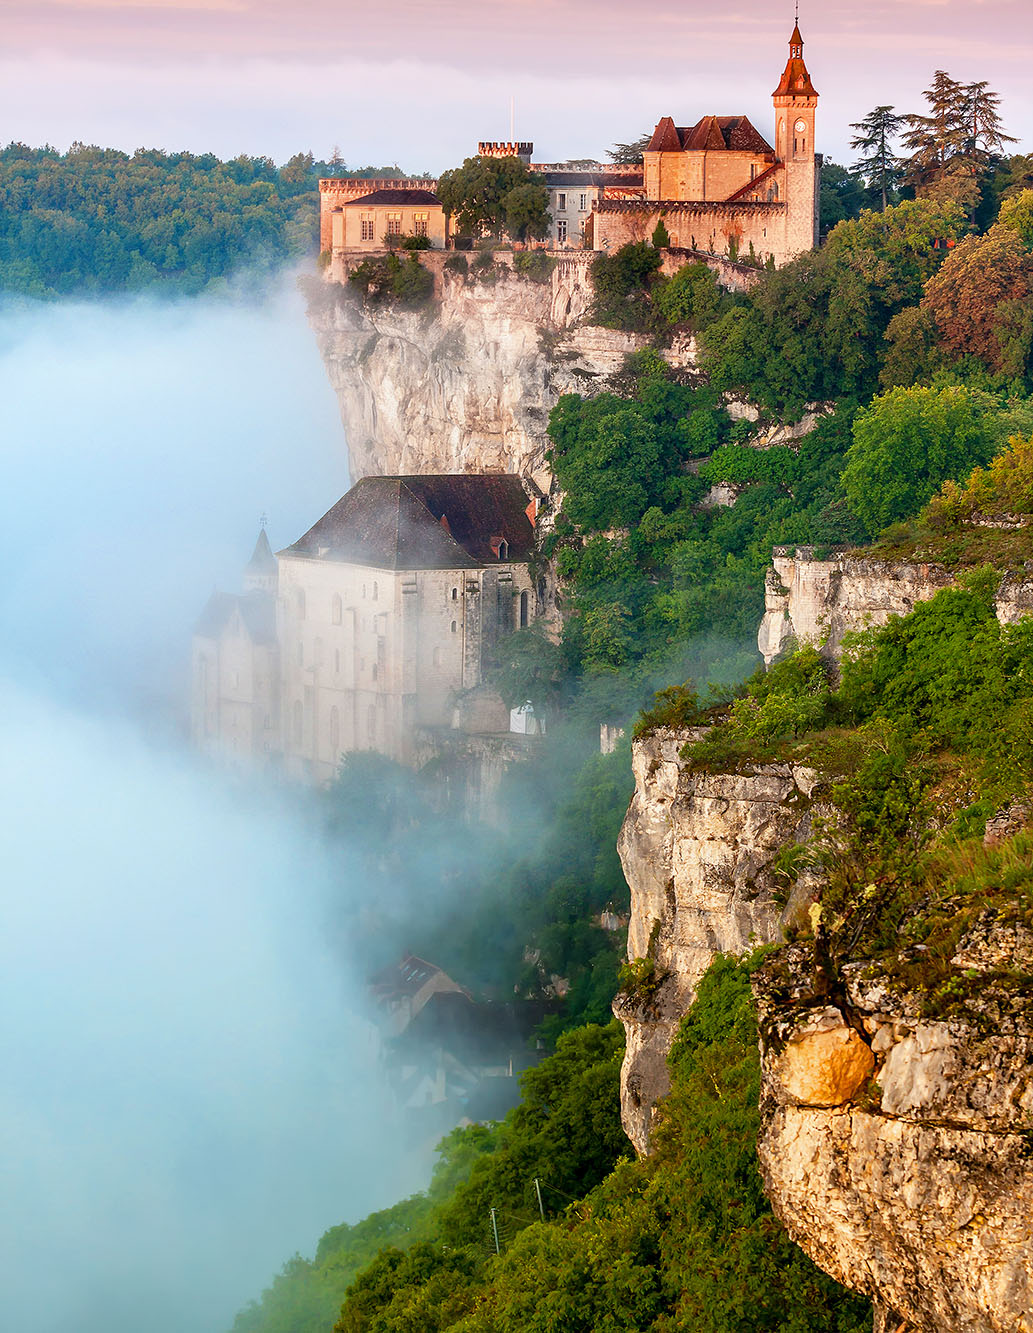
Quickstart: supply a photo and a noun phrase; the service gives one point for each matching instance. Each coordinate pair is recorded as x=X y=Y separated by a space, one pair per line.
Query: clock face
x=800 y=127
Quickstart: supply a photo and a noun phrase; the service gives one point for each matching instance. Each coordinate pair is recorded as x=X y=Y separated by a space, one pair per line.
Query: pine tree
x=936 y=139
x=878 y=164
x=986 y=137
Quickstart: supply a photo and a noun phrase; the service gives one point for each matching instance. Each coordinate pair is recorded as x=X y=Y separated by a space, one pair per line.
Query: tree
x=936 y=139
x=978 y=298
x=986 y=136
x=661 y=237
x=878 y=163
x=622 y=282
x=843 y=195
x=482 y=193
x=630 y=154
x=907 y=443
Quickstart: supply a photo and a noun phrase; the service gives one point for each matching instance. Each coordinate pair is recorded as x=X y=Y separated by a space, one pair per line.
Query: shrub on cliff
x=406 y=281
x=622 y=283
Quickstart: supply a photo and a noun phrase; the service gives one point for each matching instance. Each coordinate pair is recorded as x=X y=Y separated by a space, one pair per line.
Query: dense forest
x=96 y=221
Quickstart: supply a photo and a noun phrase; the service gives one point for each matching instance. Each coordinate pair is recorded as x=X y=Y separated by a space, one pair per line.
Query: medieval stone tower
x=796 y=102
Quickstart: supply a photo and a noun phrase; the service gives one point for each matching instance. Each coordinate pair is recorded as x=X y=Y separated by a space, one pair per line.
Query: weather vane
x=264 y=520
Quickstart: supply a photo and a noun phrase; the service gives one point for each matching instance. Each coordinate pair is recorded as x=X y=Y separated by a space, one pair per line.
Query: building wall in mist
x=368 y=655
x=235 y=688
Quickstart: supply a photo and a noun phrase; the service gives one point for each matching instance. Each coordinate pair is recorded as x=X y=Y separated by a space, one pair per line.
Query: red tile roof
x=712 y=133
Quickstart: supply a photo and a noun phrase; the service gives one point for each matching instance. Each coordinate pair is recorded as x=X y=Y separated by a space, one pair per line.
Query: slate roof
x=410 y=198
x=433 y=522
x=262 y=559
x=257 y=611
x=714 y=133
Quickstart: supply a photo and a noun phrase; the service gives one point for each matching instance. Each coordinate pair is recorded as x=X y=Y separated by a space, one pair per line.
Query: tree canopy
x=495 y=196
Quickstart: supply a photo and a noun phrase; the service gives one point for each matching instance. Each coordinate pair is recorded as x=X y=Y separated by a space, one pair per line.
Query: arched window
x=503 y=550
x=524 y=603
x=299 y=721
x=335 y=730
x=336 y=609
x=455 y=594
x=454 y=627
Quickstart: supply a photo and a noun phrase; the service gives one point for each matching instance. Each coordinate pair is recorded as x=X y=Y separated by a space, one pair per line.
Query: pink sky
x=419 y=83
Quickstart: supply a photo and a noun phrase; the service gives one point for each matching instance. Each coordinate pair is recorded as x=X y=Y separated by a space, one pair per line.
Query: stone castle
x=718 y=186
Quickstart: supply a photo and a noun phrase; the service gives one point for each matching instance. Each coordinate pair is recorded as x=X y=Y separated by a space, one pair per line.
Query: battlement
x=500 y=148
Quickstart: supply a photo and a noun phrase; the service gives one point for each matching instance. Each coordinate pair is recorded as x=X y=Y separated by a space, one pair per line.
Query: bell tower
x=796 y=102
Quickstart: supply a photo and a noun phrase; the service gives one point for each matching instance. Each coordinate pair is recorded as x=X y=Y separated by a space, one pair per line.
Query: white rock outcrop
x=819 y=600
x=914 y=1183
x=697 y=850
x=468 y=384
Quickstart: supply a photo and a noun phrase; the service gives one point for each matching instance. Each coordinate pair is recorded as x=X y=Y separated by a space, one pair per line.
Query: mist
x=191 y=1093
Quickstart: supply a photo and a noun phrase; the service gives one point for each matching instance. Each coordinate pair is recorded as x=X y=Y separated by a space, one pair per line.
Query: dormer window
x=503 y=550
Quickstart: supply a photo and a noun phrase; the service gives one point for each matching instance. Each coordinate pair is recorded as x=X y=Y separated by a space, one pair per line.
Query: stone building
x=235 y=713
x=719 y=186
x=376 y=630
x=390 y=608
x=337 y=191
x=377 y=220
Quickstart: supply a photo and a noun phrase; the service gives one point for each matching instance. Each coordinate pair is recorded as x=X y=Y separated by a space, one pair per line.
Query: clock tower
x=796 y=102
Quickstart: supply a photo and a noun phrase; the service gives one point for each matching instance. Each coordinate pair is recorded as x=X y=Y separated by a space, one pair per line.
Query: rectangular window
x=419 y=223
x=561 y=229
x=561 y=202
x=584 y=203
x=368 y=233
x=394 y=224
x=753 y=171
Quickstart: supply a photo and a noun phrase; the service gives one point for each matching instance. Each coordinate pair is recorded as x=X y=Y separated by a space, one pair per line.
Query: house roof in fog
x=406 y=977
x=257 y=613
x=435 y=522
x=262 y=559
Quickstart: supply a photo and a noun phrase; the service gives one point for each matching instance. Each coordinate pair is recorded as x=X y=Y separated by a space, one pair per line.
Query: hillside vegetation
x=95 y=221
x=923 y=421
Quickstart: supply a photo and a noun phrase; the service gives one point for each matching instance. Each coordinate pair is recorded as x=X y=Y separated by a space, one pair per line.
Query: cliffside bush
x=535 y=265
x=622 y=283
x=404 y=281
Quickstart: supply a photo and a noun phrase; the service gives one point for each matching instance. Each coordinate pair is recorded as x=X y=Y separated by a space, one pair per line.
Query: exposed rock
x=917 y=1189
x=697 y=849
x=468 y=386
x=820 y=600
x=1006 y=823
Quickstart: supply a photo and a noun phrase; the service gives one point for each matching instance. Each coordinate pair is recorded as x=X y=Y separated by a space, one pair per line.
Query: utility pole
x=494 y=1229
x=538 y=1191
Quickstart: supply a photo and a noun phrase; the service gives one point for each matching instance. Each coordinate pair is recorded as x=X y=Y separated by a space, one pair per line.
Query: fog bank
x=188 y=1096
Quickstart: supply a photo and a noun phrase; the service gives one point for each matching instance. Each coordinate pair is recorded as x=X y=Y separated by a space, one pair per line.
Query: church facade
x=375 y=628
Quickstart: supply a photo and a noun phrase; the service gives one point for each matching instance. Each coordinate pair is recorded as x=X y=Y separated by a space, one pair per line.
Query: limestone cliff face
x=812 y=600
x=468 y=385
x=895 y=1147
x=697 y=848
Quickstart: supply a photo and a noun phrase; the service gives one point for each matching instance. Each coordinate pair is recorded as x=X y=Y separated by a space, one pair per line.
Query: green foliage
x=457 y=263
x=814 y=329
x=907 y=443
x=1005 y=487
x=405 y=282
x=661 y=238
x=690 y=297
x=622 y=282
x=684 y=1239
x=676 y=706
x=493 y=196
x=96 y=220
x=534 y=264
